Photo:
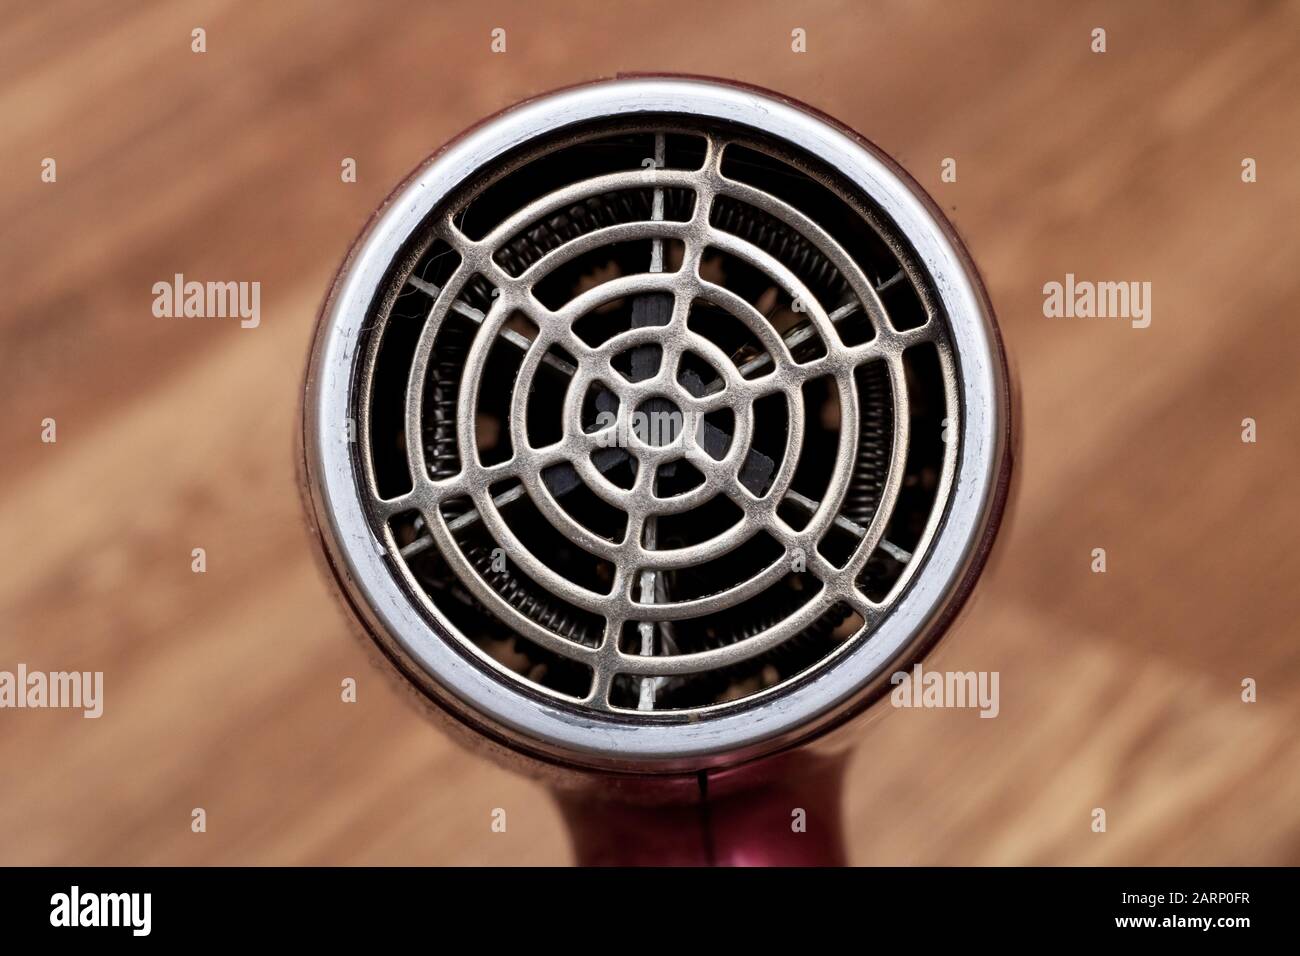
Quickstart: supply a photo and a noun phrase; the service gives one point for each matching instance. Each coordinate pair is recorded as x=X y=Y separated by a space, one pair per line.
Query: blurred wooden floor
x=1118 y=690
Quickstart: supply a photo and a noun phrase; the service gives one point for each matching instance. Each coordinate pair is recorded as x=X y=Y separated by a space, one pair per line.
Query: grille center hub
x=657 y=422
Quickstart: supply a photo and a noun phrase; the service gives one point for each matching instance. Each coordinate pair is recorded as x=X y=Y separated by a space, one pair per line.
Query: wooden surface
x=1119 y=691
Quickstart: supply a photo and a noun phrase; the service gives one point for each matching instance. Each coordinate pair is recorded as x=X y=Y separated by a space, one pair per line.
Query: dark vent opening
x=737 y=566
x=585 y=272
x=821 y=437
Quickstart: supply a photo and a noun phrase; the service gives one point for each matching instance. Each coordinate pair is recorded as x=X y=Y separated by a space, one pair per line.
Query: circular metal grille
x=660 y=414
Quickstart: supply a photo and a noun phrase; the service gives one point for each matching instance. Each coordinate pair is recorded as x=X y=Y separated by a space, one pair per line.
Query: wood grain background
x=1119 y=690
